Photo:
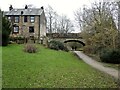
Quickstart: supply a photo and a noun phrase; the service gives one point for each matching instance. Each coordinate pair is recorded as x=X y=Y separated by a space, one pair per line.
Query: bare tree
x=78 y=18
x=49 y=14
x=57 y=23
x=66 y=25
x=118 y=15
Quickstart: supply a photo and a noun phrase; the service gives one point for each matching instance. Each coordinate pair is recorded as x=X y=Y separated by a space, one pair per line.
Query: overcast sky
x=61 y=6
x=66 y=7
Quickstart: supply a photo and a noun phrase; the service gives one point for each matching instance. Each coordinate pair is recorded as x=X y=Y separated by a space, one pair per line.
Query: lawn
x=48 y=69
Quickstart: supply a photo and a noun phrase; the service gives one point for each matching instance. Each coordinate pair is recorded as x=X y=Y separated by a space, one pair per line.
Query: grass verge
x=49 y=69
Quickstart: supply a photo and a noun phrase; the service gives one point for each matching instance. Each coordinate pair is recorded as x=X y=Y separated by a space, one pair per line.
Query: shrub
x=30 y=48
x=88 y=49
x=66 y=49
x=57 y=45
x=19 y=40
x=110 y=56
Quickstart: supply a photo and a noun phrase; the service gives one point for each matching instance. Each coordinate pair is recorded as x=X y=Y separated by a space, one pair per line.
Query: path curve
x=111 y=71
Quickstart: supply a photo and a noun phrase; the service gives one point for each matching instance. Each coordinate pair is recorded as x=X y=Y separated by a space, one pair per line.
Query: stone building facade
x=27 y=22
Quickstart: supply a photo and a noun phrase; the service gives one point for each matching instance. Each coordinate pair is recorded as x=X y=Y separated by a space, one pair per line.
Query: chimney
x=26 y=7
x=21 y=12
x=42 y=7
x=10 y=8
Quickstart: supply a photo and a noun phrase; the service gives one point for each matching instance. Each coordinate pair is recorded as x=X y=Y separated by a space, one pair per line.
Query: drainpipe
x=39 y=30
x=21 y=23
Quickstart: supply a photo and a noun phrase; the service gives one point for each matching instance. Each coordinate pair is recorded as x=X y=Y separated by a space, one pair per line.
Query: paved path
x=97 y=65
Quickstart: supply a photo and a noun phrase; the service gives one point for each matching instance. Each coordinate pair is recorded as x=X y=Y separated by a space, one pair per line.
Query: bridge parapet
x=64 y=35
x=69 y=37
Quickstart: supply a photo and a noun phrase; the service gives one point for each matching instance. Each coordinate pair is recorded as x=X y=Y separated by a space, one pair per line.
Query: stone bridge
x=69 y=37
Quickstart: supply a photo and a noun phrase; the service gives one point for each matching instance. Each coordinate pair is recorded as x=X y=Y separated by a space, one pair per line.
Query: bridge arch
x=75 y=41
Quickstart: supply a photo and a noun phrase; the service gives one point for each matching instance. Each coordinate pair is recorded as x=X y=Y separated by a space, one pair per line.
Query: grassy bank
x=49 y=68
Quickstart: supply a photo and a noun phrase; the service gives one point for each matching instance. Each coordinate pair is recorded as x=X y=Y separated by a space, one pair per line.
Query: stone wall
x=24 y=27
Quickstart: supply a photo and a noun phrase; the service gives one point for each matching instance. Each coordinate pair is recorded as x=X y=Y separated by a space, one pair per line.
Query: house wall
x=24 y=27
x=42 y=25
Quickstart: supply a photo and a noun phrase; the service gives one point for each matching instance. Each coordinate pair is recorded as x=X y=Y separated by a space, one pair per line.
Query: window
x=32 y=19
x=31 y=29
x=16 y=29
x=16 y=19
x=25 y=18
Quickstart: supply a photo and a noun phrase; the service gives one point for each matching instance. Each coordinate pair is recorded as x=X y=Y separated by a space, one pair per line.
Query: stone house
x=27 y=22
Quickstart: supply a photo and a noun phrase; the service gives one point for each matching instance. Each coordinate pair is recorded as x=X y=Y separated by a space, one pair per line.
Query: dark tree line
x=6 y=30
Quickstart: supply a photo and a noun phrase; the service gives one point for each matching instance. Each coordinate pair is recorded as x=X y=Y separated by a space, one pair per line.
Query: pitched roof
x=29 y=11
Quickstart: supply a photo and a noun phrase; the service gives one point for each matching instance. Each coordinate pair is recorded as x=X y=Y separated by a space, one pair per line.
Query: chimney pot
x=10 y=8
x=42 y=7
x=26 y=7
x=21 y=12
